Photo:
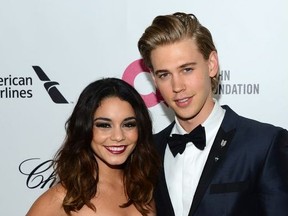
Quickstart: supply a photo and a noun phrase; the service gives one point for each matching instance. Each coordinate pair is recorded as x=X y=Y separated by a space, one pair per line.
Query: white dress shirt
x=183 y=171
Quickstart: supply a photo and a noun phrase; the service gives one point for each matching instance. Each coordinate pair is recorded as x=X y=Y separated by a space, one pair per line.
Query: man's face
x=183 y=77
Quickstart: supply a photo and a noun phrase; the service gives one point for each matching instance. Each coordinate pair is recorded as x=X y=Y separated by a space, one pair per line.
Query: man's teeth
x=183 y=100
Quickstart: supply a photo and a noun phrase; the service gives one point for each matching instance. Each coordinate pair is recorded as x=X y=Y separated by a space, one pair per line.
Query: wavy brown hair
x=75 y=162
x=168 y=29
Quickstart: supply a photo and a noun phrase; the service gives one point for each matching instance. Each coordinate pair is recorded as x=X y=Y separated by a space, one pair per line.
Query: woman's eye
x=130 y=124
x=102 y=125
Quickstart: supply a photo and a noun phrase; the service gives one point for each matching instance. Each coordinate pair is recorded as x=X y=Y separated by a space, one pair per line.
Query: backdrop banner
x=50 y=50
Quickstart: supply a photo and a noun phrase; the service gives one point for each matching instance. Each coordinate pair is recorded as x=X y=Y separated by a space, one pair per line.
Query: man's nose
x=178 y=84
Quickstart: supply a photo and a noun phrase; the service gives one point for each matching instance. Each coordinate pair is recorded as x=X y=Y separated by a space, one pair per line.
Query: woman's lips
x=116 y=149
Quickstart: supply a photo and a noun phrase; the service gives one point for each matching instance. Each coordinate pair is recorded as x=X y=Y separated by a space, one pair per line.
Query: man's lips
x=116 y=149
x=183 y=101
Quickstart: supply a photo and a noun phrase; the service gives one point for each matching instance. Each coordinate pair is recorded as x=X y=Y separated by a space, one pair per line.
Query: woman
x=107 y=164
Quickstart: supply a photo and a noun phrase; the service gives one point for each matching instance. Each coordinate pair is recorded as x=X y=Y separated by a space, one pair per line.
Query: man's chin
x=185 y=117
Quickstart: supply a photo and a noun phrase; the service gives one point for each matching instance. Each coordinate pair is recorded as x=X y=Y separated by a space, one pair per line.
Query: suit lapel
x=162 y=195
x=219 y=148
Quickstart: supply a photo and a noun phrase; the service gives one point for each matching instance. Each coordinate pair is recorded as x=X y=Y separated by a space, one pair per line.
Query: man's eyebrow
x=161 y=71
x=187 y=64
x=179 y=67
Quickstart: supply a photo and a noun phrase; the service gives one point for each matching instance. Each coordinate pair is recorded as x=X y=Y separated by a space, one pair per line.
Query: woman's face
x=115 y=131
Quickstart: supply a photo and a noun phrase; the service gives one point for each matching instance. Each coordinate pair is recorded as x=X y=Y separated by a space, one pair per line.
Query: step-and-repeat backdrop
x=50 y=50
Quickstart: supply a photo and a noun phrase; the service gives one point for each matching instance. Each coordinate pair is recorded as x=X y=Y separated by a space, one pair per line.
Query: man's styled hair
x=168 y=29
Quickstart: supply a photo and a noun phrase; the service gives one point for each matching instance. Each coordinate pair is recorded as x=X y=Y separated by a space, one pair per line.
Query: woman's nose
x=117 y=134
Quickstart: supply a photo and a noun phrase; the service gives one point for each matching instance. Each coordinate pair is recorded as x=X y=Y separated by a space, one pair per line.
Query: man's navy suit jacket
x=248 y=175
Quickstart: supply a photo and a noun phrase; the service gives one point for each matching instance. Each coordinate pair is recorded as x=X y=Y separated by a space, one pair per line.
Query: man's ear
x=213 y=64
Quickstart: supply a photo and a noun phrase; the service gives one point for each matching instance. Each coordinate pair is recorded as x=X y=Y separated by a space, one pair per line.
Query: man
x=241 y=166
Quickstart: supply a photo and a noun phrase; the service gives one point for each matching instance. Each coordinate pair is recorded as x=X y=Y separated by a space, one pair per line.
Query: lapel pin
x=223 y=143
x=216 y=159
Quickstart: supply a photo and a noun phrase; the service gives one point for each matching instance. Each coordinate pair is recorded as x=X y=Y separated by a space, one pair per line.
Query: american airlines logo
x=50 y=86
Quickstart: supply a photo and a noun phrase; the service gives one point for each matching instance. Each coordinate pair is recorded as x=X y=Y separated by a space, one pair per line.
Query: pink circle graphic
x=130 y=74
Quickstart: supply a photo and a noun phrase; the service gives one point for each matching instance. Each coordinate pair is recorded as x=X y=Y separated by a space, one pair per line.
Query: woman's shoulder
x=49 y=203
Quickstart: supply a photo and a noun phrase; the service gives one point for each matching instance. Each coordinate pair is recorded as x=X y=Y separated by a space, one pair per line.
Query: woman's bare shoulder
x=49 y=203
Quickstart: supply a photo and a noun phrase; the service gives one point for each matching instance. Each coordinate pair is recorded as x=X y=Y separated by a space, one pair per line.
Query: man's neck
x=189 y=124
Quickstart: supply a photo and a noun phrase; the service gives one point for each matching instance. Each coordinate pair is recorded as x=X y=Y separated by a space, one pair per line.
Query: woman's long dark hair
x=75 y=162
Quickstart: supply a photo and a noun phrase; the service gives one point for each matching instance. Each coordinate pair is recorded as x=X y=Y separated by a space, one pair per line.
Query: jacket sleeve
x=273 y=180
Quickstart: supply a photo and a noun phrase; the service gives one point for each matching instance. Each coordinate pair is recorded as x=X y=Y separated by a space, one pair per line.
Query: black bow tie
x=177 y=142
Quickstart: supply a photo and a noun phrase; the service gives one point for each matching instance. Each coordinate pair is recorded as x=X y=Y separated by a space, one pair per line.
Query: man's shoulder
x=166 y=131
x=247 y=123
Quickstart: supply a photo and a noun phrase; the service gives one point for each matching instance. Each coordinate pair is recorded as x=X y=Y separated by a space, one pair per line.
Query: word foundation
x=238 y=89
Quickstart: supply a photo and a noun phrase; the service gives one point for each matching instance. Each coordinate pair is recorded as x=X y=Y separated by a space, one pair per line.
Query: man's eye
x=162 y=75
x=186 y=70
x=102 y=125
